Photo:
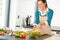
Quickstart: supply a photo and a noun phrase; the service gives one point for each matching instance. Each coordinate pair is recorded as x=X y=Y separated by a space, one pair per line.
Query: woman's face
x=41 y=5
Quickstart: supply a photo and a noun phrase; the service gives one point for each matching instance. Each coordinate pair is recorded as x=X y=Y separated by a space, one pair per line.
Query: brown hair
x=44 y=1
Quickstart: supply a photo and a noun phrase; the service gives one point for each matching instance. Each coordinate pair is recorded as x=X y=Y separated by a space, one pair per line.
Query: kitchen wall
x=13 y=14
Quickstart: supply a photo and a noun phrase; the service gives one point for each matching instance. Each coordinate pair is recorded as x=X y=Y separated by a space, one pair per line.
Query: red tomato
x=22 y=35
x=1 y=33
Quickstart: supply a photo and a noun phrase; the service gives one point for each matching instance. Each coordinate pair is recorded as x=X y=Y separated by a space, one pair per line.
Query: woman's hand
x=41 y=27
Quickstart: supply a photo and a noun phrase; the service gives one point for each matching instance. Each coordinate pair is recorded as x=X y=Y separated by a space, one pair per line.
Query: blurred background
x=14 y=12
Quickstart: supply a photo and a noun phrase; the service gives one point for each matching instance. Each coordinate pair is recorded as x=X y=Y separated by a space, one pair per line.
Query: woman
x=43 y=17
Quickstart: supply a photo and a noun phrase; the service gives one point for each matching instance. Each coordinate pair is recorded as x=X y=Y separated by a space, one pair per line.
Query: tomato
x=22 y=35
x=1 y=33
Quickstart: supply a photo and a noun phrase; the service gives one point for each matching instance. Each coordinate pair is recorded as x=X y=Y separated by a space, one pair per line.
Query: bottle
x=18 y=21
x=28 y=20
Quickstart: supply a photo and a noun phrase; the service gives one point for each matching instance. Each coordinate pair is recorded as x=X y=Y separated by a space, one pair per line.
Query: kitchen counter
x=54 y=36
x=44 y=37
